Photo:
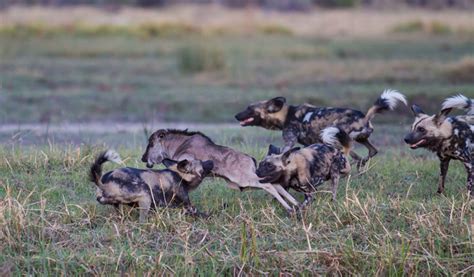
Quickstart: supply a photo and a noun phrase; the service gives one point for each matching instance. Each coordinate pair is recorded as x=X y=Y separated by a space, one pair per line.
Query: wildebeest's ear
x=439 y=118
x=285 y=158
x=274 y=105
x=169 y=162
x=417 y=110
x=183 y=165
x=272 y=149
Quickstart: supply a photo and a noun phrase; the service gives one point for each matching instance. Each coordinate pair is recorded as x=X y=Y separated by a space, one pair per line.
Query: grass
x=388 y=221
x=117 y=78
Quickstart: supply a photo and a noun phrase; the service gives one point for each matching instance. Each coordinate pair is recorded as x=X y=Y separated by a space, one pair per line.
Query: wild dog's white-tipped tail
x=458 y=102
x=113 y=156
x=387 y=101
x=328 y=135
x=336 y=137
x=392 y=98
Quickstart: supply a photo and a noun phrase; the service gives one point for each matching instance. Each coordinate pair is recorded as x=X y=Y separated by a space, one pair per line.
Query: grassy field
x=151 y=69
x=388 y=221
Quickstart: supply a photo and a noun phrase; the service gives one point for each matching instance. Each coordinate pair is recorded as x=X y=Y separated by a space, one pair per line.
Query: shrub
x=275 y=30
x=409 y=27
x=197 y=58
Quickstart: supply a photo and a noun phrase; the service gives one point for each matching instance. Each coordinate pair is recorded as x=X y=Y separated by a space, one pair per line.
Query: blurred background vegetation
x=300 y=5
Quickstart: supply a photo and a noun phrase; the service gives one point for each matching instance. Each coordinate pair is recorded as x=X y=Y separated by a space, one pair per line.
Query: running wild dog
x=305 y=169
x=451 y=138
x=149 y=188
x=237 y=168
x=304 y=123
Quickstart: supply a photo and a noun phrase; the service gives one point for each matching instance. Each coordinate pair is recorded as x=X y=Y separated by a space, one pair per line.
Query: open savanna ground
x=77 y=81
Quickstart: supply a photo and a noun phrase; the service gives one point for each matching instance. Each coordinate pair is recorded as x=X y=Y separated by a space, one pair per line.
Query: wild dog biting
x=149 y=188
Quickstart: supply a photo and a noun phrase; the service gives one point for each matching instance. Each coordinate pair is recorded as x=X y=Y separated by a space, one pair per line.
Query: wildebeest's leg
x=372 y=151
x=443 y=171
x=286 y=194
x=335 y=184
x=273 y=191
x=469 y=165
x=144 y=206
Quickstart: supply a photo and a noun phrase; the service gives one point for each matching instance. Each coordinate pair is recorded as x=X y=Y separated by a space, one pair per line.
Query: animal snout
x=144 y=158
x=408 y=138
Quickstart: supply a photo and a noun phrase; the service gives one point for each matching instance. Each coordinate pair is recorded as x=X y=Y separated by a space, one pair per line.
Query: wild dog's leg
x=335 y=184
x=469 y=165
x=372 y=150
x=290 y=137
x=355 y=156
x=144 y=206
x=308 y=198
x=286 y=194
x=443 y=170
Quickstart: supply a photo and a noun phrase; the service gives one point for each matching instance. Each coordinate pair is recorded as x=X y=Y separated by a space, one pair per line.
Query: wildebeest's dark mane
x=185 y=132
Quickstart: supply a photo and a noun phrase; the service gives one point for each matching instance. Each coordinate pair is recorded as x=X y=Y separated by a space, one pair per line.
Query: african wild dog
x=149 y=188
x=305 y=169
x=304 y=123
x=449 y=137
x=237 y=168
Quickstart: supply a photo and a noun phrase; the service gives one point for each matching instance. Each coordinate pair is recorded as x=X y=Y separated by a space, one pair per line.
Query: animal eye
x=421 y=129
x=162 y=135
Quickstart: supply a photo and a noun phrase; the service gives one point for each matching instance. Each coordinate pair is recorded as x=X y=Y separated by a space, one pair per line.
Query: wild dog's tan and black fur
x=149 y=188
x=451 y=138
x=304 y=123
x=237 y=168
x=305 y=169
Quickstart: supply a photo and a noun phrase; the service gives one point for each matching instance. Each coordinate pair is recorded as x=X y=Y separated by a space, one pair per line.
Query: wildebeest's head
x=428 y=130
x=155 y=151
x=275 y=165
x=191 y=171
x=269 y=114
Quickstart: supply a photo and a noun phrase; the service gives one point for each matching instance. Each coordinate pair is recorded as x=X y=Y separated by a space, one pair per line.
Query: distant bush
x=433 y=27
x=439 y=28
x=338 y=3
x=166 y=29
x=275 y=30
x=462 y=71
x=409 y=27
x=198 y=58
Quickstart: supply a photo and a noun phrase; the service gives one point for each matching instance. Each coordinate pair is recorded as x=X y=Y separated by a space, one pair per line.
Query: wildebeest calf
x=449 y=137
x=237 y=168
x=305 y=169
x=149 y=188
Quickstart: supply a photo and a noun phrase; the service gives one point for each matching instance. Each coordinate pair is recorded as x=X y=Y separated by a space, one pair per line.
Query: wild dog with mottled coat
x=149 y=188
x=305 y=169
x=237 y=168
x=304 y=123
x=451 y=138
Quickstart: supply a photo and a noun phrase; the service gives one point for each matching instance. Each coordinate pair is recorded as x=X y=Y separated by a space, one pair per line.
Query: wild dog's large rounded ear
x=273 y=150
x=417 y=110
x=183 y=165
x=441 y=116
x=285 y=158
x=274 y=105
x=169 y=162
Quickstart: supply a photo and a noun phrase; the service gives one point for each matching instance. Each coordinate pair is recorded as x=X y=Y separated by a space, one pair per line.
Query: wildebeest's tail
x=459 y=102
x=96 y=169
x=338 y=138
x=387 y=101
